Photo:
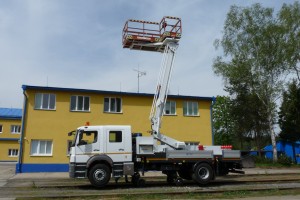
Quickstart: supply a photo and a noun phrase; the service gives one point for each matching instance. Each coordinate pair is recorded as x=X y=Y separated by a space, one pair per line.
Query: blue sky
x=77 y=44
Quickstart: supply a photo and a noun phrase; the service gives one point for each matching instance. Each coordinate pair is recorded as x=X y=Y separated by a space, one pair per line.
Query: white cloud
x=77 y=44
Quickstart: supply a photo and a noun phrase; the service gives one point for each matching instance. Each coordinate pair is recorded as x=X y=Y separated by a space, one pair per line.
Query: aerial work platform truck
x=102 y=152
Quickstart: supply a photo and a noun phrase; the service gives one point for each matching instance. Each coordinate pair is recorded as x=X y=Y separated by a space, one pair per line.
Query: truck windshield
x=74 y=138
x=87 y=137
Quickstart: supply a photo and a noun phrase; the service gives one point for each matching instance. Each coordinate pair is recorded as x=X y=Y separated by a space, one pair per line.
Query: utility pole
x=139 y=74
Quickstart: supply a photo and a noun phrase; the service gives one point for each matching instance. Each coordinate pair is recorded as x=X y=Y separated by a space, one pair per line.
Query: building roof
x=29 y=87
x=10 y=113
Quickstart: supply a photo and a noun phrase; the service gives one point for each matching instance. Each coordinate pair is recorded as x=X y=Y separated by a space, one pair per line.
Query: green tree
x=289 y=114
x=240 y=110
x=249 y=117
x=289 y=19
x=223 y=123
x=254 y=56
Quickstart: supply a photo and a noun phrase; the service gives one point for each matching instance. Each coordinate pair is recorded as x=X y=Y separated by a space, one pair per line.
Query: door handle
x=121 y=149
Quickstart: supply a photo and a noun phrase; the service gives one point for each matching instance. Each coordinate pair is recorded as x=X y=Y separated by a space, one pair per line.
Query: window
x=44 y=101
x=87 y=137
x=115 y=136
x=170 y=108
x=112 y=105
x=80 y=103
x=1 y=128
x=190 y=108
x=15 y=129
x=41 y=148
x=13 y=152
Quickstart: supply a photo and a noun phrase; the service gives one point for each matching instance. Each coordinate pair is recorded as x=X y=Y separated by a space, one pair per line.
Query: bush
x=262 y=160
x=285 y=160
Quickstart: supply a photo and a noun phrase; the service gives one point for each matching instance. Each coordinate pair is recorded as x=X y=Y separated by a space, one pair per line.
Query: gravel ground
x=286 y=197
x=37 y=182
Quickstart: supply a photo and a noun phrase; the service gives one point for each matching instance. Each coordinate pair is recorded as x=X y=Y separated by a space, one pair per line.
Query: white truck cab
x=105 y=146
x=114 y=141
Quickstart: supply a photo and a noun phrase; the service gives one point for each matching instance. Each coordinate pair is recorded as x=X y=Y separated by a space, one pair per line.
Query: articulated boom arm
x=159 y=37
x=161 y=94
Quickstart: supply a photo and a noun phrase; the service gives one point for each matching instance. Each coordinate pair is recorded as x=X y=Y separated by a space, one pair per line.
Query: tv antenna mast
x=139 y=74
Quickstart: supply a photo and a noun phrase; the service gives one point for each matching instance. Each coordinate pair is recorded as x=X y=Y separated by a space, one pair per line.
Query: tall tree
x=240 y=110
x=249 y=117
x=236 y=121
x=289 y=19
x=254 y=56
x=289 y=114
x=223 y=123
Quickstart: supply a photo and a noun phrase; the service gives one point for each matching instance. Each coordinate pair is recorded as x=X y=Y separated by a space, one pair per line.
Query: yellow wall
x=4 y=147
x=189 y=128
x=6 y=133
x=54 y=125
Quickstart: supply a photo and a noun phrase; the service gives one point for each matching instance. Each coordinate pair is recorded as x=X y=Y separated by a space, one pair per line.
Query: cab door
x=87 y=145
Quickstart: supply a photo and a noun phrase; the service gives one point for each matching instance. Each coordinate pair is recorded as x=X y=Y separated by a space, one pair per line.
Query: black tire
x=99 y=175
x=203 y=174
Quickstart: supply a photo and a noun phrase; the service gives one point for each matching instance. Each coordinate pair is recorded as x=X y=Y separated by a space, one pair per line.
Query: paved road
x=7 y=171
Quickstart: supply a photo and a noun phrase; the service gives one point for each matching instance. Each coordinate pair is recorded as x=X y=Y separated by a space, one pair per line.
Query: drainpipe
x=211 y=119
x=19 y=164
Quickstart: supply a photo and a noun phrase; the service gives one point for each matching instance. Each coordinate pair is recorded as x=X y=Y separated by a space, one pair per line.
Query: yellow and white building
x=10 y=132
x=51 y=112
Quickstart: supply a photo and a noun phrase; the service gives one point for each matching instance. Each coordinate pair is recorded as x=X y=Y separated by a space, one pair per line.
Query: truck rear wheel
x=99 y=175
x=203 y=174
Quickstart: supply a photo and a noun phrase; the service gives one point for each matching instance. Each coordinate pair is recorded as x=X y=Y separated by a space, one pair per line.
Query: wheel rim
x=203 y=173
x=99 y=175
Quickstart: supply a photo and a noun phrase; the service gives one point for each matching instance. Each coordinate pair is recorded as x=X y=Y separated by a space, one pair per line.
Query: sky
x=78 y=44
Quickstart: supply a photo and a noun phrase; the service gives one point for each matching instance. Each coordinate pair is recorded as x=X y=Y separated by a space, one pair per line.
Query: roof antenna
x=139 y=74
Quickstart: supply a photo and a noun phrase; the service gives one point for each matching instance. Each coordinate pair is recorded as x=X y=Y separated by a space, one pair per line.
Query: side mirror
x=71 y=133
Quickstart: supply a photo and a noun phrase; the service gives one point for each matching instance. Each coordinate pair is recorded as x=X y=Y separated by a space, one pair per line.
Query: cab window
x=115 y=136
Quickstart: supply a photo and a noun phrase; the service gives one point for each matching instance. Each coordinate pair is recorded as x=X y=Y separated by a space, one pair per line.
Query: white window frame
x=15 y=129
x=168 y=107
x=1 y=128
x=41 y=97
x=38 y=153
x=13 y=152
x=112 y=108
x=76 y=108
x=190 y=108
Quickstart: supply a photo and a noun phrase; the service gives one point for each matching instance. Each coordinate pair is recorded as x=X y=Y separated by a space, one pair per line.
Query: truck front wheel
x=203 y=174
x=99 y=175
